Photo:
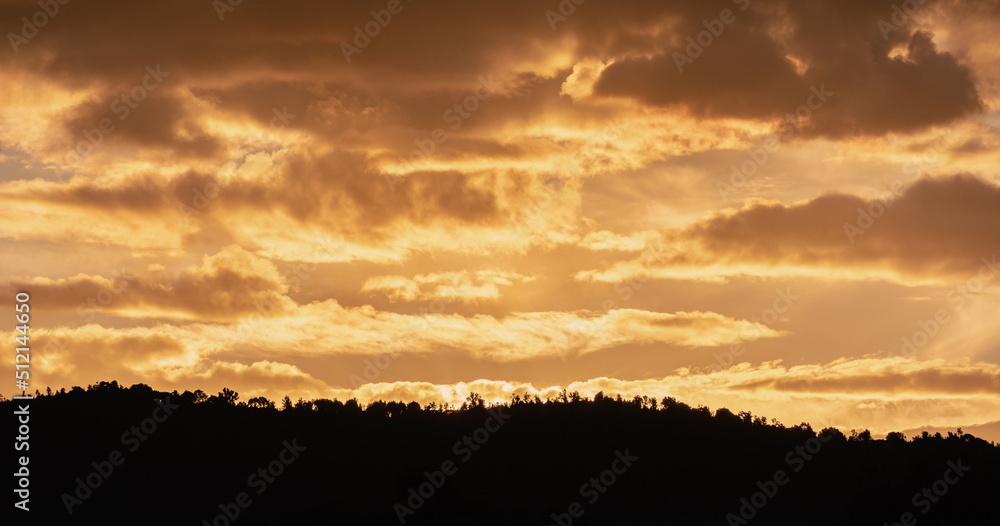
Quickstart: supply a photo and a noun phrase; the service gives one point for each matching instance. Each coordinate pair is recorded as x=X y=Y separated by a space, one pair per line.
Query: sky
x=785 y=207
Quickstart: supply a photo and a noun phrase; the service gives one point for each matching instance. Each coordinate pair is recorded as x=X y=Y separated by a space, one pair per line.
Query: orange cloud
x=226 y=286
x=937 y=229
x=481 y=285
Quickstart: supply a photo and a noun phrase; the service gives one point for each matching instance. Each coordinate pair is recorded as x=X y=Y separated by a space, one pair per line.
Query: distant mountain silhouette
x=115 y=455
x=987 y=431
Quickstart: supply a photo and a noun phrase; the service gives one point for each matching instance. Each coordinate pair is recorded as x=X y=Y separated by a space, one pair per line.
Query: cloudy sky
x=787 y=207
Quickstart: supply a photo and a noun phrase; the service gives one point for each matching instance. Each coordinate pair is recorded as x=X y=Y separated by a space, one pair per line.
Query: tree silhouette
x=895 y=437
x=694 y=465
x=260 y=402
x=226 y=396
x=474 y=400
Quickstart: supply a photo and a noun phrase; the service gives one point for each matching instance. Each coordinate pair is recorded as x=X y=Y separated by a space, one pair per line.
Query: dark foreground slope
x=117 y=456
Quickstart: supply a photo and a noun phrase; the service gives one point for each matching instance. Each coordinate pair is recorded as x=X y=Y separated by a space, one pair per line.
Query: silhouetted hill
x=184 y=458
x=989 y=431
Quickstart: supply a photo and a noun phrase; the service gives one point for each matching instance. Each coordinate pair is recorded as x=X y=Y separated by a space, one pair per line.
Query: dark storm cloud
x=748 y=70
x=945 y=225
